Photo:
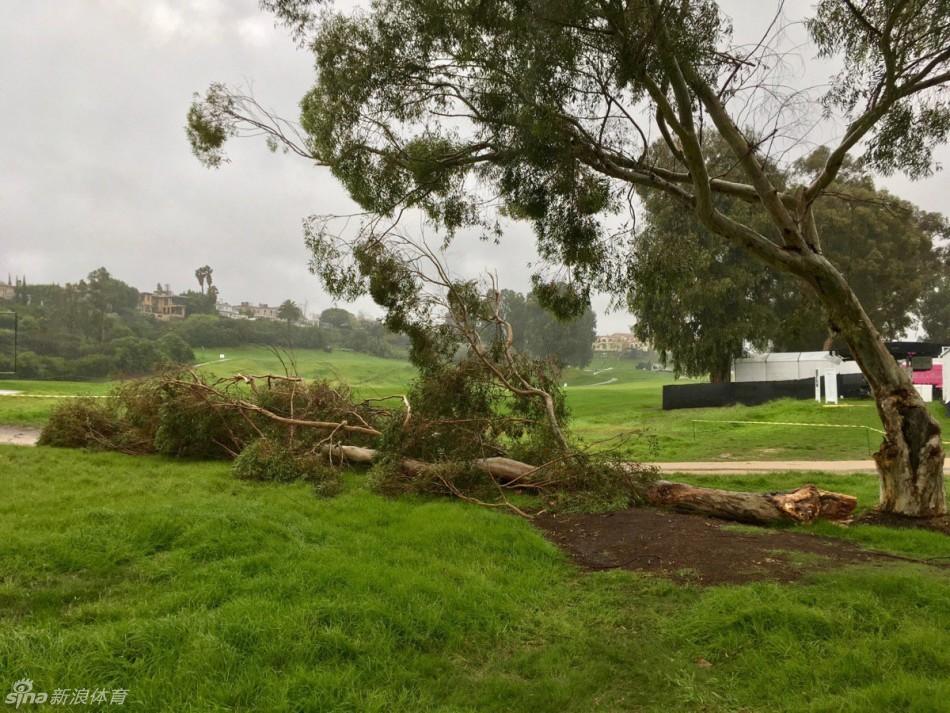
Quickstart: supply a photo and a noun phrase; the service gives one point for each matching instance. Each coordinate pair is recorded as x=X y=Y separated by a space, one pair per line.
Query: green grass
x=370 y=376
x=26 y=410
x=632 y=407
x=626 y=415
x=197 y=592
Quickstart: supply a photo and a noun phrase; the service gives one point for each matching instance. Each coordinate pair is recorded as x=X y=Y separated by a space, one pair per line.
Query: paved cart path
x=767 y=466
x=19 y=435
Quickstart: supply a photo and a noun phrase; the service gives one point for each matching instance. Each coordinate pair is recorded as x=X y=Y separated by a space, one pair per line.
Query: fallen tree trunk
x=504 y=470
x=804 y=504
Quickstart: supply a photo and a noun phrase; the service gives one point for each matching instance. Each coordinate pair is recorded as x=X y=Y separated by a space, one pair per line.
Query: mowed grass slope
x=197 y=592
x=628 y=414
x=368 y=375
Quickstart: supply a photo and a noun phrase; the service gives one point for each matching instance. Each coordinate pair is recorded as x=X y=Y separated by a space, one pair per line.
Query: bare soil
x=18 y=435
x=692 y=548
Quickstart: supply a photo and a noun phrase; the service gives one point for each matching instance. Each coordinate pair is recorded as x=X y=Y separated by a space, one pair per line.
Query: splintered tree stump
x=805 y=504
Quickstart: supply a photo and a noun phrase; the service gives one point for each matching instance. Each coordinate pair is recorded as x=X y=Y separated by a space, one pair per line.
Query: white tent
x=785 y=366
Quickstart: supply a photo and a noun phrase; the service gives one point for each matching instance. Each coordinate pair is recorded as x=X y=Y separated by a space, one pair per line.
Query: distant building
x=228 y=311
x=8 y=290
x=617 y=343
x=161 y=304
x=246 y=310
x=258 y=311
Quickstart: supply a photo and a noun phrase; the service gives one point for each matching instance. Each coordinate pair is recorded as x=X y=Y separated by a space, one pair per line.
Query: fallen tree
x=279 y=428
x=802 y=505
x=481 y=423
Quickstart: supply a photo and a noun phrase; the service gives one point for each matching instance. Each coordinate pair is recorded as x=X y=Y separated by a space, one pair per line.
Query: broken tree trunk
x=504 y=470
x=804 y=504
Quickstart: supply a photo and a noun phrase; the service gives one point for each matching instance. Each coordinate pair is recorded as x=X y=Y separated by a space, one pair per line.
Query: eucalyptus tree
x=545 y=111
x=701 y=300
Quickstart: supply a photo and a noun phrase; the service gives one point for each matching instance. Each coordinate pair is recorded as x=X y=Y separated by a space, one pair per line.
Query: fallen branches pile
x=281 y=428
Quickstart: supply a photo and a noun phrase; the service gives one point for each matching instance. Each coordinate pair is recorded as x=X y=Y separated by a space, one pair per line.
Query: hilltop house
x=161 y=304
x=617 y=343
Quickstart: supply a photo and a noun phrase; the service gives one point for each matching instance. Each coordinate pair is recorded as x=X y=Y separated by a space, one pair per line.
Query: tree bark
x=721 y=374
x=805 y=504
x=910 y=458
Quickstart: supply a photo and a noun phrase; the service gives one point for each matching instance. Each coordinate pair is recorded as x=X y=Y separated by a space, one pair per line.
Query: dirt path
x=740 y=467
x=691 y=548
x=18 y=435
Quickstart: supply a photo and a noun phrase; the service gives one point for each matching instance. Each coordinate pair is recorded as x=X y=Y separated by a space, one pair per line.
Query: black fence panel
x=851 y=386
x=748 y=393
x=753 y=393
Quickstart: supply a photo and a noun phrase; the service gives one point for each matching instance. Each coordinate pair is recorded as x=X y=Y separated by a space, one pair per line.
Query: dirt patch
x=691 y=548
x=19 y=435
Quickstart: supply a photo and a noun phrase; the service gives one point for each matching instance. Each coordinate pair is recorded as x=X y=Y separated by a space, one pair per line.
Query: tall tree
x=203 y=274
x=934 y=308
x=548 y=107
x=701 y=301
x=539 y=333
x=289 y=311
x=107 y=295
x=337 y=317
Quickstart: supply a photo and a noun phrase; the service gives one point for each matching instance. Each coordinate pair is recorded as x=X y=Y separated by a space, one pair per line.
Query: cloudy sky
x=95 y=168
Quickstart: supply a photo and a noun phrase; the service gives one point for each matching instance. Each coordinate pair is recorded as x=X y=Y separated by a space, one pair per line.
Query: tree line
x=94 y=329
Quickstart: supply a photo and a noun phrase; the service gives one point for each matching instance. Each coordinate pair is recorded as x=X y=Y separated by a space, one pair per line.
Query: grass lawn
x=370 y=376
x=625 y=413
x=197 y=592
x=630 y=409
x=28 y=410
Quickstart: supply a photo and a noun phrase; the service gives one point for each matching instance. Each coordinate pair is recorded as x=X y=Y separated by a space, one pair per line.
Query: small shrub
x=190 y=428
x=80 y=423
x=269 y=460
x=585 y=483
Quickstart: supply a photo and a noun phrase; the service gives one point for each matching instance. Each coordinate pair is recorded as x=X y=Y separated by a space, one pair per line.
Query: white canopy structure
x=785 y=366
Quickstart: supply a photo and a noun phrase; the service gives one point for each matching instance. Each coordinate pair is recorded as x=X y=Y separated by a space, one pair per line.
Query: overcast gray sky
x=95 y=168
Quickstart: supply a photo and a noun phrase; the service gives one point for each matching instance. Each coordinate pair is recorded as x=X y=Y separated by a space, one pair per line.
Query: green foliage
x=79 y=423
x=175 y=349
x=189 y=428
x=934 y=305
x=289 y=311
x=883 y=46
x=268 y=460
x=337 y=317
x=539 y=333
x=198 y=302
x=700 y=300
x=134 y=357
